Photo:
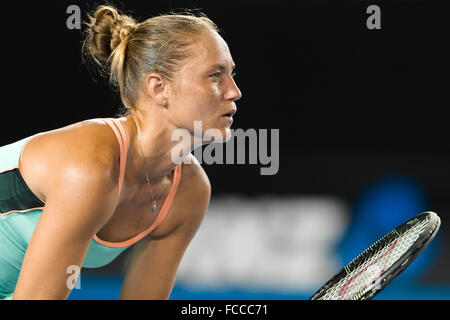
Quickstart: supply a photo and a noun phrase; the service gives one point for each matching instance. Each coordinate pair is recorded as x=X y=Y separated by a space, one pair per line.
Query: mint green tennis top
x=20 y=211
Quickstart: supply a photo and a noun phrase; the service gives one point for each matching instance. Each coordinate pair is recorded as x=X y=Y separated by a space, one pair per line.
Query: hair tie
x=126 y=32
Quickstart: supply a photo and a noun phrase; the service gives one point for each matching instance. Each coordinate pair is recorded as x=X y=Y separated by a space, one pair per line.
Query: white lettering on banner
x=275 y=243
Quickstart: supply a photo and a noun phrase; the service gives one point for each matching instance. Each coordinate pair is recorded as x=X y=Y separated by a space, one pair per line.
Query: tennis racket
x=373 y=269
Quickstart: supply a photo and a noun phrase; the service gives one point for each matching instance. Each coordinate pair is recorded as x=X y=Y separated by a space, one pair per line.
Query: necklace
x=146 y=177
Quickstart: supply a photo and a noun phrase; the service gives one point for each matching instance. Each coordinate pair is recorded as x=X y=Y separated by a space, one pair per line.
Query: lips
x=229 y=113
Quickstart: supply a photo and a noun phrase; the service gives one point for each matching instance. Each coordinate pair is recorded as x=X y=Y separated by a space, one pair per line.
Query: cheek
x=196 y=102
x=201 y=100
x=216 y=91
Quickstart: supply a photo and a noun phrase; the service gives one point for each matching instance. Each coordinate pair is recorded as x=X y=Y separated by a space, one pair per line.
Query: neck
x=153 y=134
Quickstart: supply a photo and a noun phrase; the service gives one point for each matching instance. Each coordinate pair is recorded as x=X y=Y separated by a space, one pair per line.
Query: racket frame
x=397 y=267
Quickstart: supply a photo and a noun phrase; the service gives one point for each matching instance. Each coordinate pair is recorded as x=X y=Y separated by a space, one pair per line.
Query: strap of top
x=123 y=144
x=120 y=132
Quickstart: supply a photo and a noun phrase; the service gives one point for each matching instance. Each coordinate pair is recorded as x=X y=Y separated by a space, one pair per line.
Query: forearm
x=46 y=274
x=148 y=285
x=45 y=280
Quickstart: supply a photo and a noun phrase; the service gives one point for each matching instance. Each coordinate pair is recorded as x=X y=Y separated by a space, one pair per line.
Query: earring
x=164 y=102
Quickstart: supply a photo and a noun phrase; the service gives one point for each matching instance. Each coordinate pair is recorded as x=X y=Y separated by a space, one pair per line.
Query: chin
x=228 y=134
x=217 y=135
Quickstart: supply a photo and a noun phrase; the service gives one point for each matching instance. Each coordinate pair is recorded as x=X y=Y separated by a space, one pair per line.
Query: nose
x=233 y=93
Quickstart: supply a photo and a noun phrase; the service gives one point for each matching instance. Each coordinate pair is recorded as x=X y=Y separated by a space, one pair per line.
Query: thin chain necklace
x=146 y=177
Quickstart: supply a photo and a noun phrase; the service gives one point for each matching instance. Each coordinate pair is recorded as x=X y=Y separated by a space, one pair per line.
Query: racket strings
x=366 y=268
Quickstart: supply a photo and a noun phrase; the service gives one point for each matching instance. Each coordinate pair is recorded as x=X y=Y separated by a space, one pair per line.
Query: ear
x=156 y=88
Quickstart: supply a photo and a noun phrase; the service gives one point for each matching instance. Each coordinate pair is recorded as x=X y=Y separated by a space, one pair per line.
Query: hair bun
x=126 y=31
x=106 y=29
x=127 y=51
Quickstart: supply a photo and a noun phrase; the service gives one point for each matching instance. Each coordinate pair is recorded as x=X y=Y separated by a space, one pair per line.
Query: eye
x=215 y=75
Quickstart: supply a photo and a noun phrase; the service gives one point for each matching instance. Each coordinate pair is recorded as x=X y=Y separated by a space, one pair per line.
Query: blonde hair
x=127 y=50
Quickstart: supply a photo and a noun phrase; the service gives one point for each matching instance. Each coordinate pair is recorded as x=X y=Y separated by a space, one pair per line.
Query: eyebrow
x=222 y=67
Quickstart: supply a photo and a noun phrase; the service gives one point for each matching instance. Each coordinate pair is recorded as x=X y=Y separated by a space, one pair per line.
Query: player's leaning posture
x=82 y=194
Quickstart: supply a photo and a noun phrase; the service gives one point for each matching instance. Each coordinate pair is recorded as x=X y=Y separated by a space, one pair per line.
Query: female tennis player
x=82 y=194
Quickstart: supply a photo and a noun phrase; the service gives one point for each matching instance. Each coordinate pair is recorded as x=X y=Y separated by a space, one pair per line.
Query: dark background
x=352 y=105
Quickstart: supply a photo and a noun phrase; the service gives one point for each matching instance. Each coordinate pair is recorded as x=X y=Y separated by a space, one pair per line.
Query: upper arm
x=152 y=271
x=80 y=199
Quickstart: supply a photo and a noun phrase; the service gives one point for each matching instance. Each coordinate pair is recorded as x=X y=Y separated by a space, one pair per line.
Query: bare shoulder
x=83 y=148
x=193 y=193
x=194 y=173
x=194 y=180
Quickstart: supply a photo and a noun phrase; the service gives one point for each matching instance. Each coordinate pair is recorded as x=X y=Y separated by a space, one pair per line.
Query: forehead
x=210 y=49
